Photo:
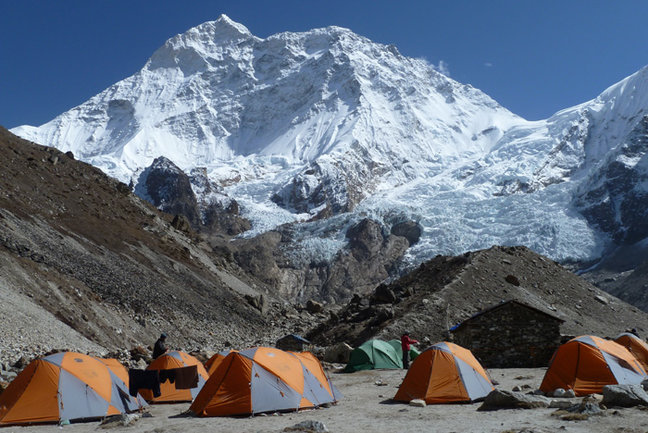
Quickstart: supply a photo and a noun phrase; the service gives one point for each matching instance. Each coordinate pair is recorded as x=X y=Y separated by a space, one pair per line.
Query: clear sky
x=534 y=57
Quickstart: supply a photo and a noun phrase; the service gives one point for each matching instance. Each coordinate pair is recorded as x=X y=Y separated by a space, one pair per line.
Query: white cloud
x=488 y=64
x=443 y=68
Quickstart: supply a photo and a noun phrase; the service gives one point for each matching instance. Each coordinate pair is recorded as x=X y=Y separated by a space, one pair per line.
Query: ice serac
x=329 y=127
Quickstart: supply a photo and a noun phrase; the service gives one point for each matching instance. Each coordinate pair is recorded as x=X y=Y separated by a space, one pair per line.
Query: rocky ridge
x=446 y=290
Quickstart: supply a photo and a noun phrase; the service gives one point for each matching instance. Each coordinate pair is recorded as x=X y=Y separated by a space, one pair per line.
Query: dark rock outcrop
x=169 y=189
x=410 y=230
x=614 y=199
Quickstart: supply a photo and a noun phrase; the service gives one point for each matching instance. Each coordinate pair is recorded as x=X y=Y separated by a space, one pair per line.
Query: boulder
x=383 y=295
x=258 y=302
x=140 y=352
x=558 y=392
x=561 y=404
x=410 y=230
x=500 y=399
x=308 y=426
x=512 y=279
x=123 y=420
x=417 y=402
x=581 y=411
x=181 y=222
x=314 y=307
x=338 y=353
x=602 y=299
x=21 y=363
x=624 y=395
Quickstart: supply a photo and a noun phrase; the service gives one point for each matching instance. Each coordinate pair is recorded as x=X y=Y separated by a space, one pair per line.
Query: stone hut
x=510 y=334
x=292 y=342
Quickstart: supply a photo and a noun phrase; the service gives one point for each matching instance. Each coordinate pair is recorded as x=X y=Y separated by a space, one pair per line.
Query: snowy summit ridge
x=327 y=123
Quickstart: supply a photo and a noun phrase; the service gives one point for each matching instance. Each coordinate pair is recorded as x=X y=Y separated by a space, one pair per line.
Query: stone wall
x=511 y=335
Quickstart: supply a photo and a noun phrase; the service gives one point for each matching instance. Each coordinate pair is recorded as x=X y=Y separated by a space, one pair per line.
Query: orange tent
x=64 y=386
x=636 y=346
x=445 y=373
x=587 y=363
x=213 y=362
x=121 y=372
x=169 y=393
x=264 y=379
x=116 y=367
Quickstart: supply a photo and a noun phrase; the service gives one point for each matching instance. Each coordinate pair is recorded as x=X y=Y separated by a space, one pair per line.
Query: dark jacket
x=160 y=348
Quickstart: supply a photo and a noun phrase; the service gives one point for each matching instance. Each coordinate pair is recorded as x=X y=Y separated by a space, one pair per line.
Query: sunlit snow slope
x=327 y=122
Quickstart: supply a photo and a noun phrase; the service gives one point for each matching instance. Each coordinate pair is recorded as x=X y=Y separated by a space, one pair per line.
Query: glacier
x=327 y=122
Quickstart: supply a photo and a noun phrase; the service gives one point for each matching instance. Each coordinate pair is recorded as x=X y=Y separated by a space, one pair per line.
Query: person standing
x=406 y=341
x=160 y=347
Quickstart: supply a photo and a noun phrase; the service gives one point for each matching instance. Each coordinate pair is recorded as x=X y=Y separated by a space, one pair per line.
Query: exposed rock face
x=410 y=230
x=224 y=218
x=631 y=286
x=615 y=198
x=169 y=189
x=444 y=291
x=370 y=256
x=323 y=187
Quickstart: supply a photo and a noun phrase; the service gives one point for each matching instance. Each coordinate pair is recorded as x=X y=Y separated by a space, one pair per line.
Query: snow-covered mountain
x=324 y=128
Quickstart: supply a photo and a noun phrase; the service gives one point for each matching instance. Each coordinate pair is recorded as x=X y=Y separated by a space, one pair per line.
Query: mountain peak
x=225 y=26
x=324 y=122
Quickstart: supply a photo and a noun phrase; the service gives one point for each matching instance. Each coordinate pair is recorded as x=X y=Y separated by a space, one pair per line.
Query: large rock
x=118 y=421
x=383 y=295
x=314 y=307
x=167 y=187
x=308 y=426
x=624 y=395
x=501 y=399
x=410 y=230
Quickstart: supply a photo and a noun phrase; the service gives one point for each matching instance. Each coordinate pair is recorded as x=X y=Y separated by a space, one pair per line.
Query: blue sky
x=535 y=57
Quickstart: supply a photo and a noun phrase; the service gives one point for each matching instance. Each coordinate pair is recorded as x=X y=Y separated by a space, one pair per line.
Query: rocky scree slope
x=446 y=290
x=87 y=265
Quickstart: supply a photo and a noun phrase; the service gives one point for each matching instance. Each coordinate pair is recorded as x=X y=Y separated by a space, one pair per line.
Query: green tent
x=414 y=352
x=377 y=354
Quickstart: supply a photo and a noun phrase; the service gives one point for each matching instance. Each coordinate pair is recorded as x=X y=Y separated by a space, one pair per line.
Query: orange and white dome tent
x=636 y=346
x=213 y=362
x=121 y=372
x=587 y=363
x=445 y=373
x=264 y=379
x=168 y=391
x=64 y=386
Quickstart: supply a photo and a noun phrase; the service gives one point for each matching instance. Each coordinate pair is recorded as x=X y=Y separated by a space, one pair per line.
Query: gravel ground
x=367 y=407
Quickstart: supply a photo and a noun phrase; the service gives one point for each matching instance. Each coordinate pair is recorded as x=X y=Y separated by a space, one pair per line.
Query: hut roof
x=502 y=304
